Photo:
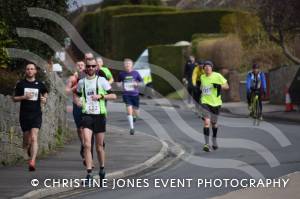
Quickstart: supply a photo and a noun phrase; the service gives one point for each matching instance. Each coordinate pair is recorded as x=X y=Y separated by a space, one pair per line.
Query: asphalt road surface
x=270 y=149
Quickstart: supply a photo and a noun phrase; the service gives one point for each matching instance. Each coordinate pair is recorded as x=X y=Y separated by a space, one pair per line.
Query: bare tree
x=281 y=20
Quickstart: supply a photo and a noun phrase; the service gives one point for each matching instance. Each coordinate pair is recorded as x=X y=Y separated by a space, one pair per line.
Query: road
x=285 y=149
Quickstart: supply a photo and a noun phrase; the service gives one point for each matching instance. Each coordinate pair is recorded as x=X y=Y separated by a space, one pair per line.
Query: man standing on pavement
x=31 y=93
x=187 y=80
x=131 y=81
x=71 y=87
x=93 y=91
x=211 y=85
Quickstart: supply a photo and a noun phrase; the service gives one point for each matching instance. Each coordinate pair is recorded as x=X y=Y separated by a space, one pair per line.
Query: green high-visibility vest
x=100 y=91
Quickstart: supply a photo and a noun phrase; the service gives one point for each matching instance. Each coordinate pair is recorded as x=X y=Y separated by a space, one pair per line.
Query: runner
x=31 y=93
x=88 y=55
x=211 y=85
x=187 y=80
x=130 y=80
x=198 y=71
x=104 y=71
x=71 y=87
x=256 y=84
x=93 y=91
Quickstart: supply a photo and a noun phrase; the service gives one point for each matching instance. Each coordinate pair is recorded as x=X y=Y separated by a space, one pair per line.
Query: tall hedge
x=96 y=27
x=170 y=58
x=132 y=33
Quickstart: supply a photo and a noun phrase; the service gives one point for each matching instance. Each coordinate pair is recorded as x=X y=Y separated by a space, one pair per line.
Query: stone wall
x=54 y=127
x=281 y=78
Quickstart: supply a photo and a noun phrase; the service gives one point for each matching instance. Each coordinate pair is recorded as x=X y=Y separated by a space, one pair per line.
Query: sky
x=84 y=2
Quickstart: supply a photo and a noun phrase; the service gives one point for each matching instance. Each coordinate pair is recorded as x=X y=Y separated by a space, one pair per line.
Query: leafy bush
x=107 y=3
x=170 y=58
x=96 y=27
x=141 y=30
x=247 y=26
x=224 y=51
x=5 y=42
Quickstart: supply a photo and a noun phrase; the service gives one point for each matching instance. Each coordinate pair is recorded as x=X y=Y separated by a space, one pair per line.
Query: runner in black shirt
x=31 y=93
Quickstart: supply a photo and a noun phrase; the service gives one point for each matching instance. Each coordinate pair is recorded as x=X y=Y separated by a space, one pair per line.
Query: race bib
x=33 y=91
x=129 y=86
x=206 y=90
x=92 y=107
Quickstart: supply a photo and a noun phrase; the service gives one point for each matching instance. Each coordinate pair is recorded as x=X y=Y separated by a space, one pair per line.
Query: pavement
x=291 y=191
x=126 y=155
x=270 y=111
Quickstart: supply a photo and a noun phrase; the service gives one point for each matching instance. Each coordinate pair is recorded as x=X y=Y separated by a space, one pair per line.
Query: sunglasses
x=89 y=66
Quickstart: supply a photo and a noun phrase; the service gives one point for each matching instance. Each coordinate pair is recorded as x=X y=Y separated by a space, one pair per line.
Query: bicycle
x=255 y=110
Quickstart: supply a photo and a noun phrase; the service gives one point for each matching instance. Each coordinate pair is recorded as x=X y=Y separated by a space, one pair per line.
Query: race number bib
x=206 y=90
x=92 y=107
x=33 y=91
x=129 y=86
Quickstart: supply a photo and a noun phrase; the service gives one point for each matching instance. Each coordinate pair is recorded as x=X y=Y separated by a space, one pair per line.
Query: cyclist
x=198 y=71
x=130 y=80
x=31 y=93
x=256 y=84
x=93 y=91
x=71 y=87
x=211 y=85
x=104 y=71
x=187 y=80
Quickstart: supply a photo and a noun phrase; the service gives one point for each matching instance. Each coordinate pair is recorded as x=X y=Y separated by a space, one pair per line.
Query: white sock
x=130 y=120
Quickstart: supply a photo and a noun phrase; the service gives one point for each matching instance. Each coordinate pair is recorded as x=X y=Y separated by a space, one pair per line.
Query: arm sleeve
x=18 y=90
x=109 y=74
x=248 y=82
x=263 y=81
x=195 y=76
x=222 y=80
x=120 y=77
x=185 y=70
x=139 y=78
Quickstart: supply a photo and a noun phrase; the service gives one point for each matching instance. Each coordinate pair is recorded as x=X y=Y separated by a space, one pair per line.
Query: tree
x=5 y=41
x=281 y=20
x=14 y=14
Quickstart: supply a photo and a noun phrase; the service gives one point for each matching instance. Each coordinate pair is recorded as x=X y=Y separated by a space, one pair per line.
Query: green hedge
x=132 y=33
x=107 y=3
x=96 y=27
x=170 y=58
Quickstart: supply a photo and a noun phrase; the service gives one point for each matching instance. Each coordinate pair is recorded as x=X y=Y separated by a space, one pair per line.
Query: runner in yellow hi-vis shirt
x=211 y=85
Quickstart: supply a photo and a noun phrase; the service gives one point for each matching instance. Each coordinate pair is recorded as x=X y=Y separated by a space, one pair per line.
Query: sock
x=130 y=120
x=214 y=138
x=206 y=135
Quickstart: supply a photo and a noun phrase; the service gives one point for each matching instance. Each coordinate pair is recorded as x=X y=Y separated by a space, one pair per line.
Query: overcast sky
x=84 y=2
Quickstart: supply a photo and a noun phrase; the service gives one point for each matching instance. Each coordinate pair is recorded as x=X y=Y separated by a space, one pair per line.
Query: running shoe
x=131 y=132
x=31 y=165
x=215 y=147
x=101 y=176
x=88 y=181
x=206 y=148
